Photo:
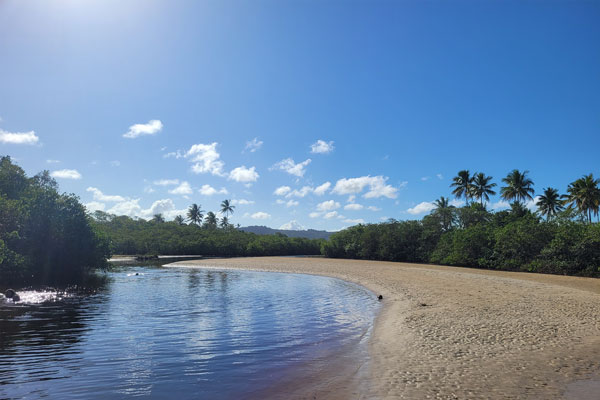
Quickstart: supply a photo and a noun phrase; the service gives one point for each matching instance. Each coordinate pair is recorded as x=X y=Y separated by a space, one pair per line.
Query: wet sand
x=457 y=333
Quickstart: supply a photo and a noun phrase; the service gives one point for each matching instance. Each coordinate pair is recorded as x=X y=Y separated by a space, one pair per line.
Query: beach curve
x=449 y=332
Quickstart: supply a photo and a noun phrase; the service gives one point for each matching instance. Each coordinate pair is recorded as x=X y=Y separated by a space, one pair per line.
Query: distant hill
x=265 y=230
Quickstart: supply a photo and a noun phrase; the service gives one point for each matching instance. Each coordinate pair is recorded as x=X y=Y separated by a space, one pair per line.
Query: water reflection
x=167 y=332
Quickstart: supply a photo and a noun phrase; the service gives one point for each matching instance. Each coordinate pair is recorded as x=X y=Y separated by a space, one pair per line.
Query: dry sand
x=446 y=332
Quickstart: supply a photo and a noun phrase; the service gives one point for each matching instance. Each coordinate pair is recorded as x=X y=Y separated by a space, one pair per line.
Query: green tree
x=179 y=220
x=195 y=214
x=584 y=194
x=518 y=187
x=158 y=218
x=211 y=220
x=462 y=184
x=549 y=204
x=482 y=187
x=224 y=223
x=227 y=208
x=445 y=212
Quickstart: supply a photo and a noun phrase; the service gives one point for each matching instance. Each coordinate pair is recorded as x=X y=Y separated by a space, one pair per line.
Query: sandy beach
x=447 y=332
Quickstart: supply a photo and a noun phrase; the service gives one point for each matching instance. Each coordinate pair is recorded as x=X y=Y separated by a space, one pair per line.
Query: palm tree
x=482 y=188
x=179 y=220
x=462 y=184
x=549 y=204
x=224 y=222
x=585 y=195
x=211 y=220
x=518 y=187
x=445 y=211
x=226 y=207
x=195 y=214
x=158 y=218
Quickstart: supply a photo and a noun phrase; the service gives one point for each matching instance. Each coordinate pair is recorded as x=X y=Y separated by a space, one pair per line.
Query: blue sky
x=148 y=106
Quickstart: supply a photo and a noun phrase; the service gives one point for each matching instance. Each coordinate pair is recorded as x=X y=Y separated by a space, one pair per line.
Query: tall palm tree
x=549 y=204
x=518 y=187
x=482 y=188
x=445 y=211
x=195 y=214
x=462 y=184
x=226 y=207
x=179 y=220
x=585 y=195
x=211 y=220
x=158 y=218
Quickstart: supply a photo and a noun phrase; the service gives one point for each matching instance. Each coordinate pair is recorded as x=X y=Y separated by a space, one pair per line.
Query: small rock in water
x=380 y=297
x=10 y=293
x=16 y=298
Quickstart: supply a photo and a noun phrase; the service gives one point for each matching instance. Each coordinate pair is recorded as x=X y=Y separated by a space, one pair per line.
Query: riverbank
x=447 y=332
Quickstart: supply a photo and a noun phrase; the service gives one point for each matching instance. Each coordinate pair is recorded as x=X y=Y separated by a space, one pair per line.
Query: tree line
x=558 y=237
x=45 y=237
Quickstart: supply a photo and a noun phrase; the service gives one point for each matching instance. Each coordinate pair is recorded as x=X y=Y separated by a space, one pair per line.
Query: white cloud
x=377 y=187
x=331 y=214
x=205 y=158
x=440 y=176
x=174 y=154
x=149 y=189
x=500 y=205
x=94 y=206
x=253 y=145
x=354 y=221
x=208 y=190
x=321 y=147
x=421 y=208
x=315 y=214
x=425 y=178
x=320 y=190
x=457 y=203
x=182 y=189
x=166 y=182
x=151 y=128
x=99 y=196
x=373 y=208
x=115 y=163
x=353 y=207
x=328 y=205
x=292 y=203
x=282 y=190
x=292 y=226
x=29 y=138
x=130 y=208
x=236 y=202
x=66 y=174
x=260 y=215
x=52 y=161
x=243 y=174
x=300 y=193
x=288 y=165
x=531 y=204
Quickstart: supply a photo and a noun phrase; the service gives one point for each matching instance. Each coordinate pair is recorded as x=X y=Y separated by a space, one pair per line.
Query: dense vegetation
x=45 y=237
x=559 y=238
x=213 y=238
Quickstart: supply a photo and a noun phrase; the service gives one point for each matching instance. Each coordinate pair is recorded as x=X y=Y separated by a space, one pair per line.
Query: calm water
x=168 y=332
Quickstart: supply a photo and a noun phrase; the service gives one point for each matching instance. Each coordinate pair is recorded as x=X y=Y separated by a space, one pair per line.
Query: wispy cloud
x=288 y=165
x=183 y=189
x=27 y=138
x=260 y=215
x=99 y=196
x=207 y=190
x=151 y=128
x=253 y=145
x=66 y=174
x=52 y=161
x=166 y=182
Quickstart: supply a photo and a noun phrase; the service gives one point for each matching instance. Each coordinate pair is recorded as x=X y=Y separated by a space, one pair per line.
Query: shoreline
x=451 y=332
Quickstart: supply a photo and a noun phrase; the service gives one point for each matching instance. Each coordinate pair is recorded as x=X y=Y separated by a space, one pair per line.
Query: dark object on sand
x=424 y=304
x=16 y=298
x=146 y=257
x=380 y=297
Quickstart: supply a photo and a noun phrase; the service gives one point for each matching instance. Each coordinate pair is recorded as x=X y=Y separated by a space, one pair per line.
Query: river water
x=178 y=332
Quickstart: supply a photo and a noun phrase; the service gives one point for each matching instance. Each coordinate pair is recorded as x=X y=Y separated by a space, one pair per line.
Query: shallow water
x=168 y=332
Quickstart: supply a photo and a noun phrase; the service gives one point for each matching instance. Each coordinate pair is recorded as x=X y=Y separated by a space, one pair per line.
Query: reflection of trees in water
x=47 y=331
